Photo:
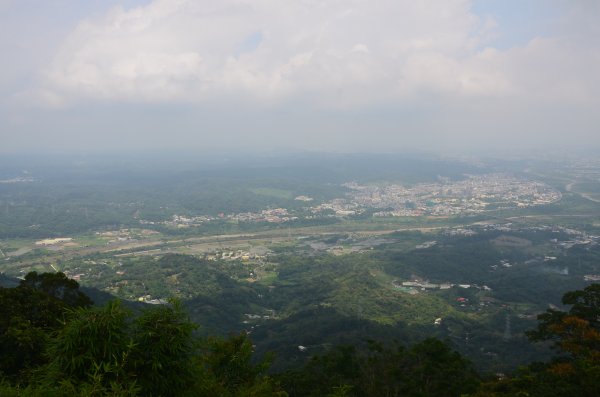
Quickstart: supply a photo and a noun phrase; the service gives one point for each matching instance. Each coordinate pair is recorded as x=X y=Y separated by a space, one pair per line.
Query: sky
x=239 y=76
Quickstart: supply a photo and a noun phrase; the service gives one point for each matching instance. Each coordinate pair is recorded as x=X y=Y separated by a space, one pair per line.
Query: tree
x=429 y=368
x=104 y=349
x=28 y=313
x=58 y=286
x=576 y=332
x=163 y=351
x=227 y=370
x=575 y=335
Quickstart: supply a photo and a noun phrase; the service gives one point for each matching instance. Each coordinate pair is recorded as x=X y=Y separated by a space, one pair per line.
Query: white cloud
x=333 y=52
x=386 y=72
x=350 y=74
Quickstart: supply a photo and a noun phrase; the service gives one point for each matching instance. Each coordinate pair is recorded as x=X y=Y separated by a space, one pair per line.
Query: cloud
x=323 y=71
x=329 y=53
x=336 y=52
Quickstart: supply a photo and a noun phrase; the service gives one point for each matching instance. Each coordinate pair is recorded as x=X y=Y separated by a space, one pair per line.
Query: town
x=475 y=194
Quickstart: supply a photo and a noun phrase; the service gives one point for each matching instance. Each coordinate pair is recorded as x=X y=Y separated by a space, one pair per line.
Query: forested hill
x=54 y=342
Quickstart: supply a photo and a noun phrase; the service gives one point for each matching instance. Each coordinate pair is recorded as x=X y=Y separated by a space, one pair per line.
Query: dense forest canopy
x=53 y=342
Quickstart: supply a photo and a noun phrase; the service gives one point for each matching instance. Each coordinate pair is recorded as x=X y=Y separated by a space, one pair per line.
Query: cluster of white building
x=472 y=195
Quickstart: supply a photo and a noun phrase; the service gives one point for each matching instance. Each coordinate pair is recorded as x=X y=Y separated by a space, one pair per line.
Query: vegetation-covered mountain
x=54 y=344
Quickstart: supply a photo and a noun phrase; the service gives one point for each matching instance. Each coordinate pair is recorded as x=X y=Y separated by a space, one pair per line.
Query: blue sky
x=520 y=21
x=287 y=75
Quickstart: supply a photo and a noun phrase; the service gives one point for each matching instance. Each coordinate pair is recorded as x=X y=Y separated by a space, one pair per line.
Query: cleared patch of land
x=511 y=241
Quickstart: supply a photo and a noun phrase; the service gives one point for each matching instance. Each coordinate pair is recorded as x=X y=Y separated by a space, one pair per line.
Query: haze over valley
x=299 y=198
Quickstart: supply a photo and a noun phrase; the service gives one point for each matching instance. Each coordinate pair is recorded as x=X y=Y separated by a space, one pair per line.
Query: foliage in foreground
x=29 y=313
x=429 y=368
x=576 y=369
x=108 y=351
x=52 y=343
